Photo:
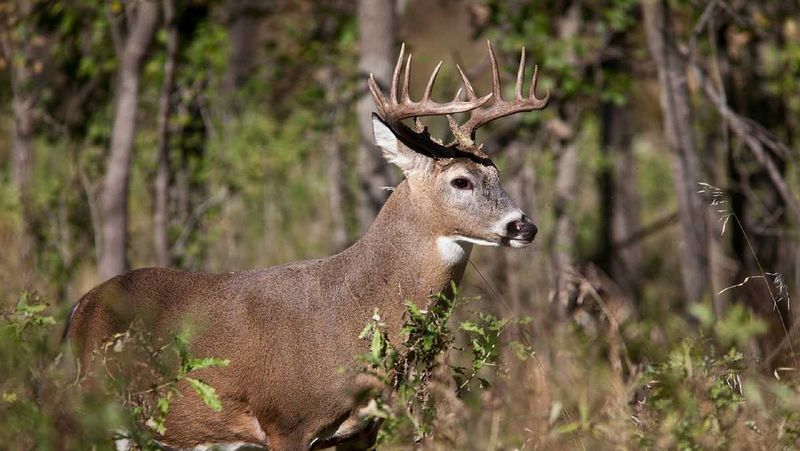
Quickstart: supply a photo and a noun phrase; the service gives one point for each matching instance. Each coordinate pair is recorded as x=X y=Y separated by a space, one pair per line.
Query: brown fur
x=287 y=330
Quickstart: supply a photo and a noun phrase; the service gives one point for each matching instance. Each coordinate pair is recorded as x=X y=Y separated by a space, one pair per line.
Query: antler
x=399 y=106
x=465 y=134
x=395 y=109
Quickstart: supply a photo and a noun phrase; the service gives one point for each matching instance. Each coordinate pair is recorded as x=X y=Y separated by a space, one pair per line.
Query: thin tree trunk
x=337 y=186
x=680 y=138
x=336 y=191
x=376 y=23
x=16 y=50
x=22 y=147
x=565 y=233
x=161 y=185
x=516 y=266
x=242 y=29
x=22 y=169
x=114 y=202
x=618 y=193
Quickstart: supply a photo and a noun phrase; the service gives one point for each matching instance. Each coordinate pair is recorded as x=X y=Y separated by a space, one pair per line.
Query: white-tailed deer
x=290 y=330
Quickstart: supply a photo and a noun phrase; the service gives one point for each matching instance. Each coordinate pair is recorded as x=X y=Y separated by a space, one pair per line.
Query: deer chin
x=478 y=241
x=517 y=243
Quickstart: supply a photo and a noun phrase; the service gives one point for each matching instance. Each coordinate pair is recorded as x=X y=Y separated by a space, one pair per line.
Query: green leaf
x=207 y=393
x=163 y=405
x=567 y=428
x=367 y=330
x=521 y=351
x=376 y=347
x=206 y=362
x=469 y=326
x=415 y=312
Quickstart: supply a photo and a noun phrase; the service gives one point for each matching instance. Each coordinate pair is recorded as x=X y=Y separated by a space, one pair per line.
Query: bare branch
x=195 y=218
x=117 y=34
x=752 y=134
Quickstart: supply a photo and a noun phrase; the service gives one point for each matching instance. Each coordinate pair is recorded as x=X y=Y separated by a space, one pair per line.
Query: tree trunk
x=565 y=233
x=336 y=191
x=22 y=147
x=161 y=185
x=619 y=202
x=337 y=186
x=242 y=29
x=114 y=202
x=22 y=168
x=17 y=52
x=516 y=267
x=680 y=138
x=376 y=23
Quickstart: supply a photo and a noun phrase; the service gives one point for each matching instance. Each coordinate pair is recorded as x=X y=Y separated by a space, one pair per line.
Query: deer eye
x=461 y=183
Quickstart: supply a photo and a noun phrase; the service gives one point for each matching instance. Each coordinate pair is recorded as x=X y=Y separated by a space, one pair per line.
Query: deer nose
x=522 y=229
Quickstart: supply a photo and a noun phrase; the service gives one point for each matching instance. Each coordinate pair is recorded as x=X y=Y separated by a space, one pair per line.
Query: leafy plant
x=412 y=369
x=42 y=404
x=162 y=371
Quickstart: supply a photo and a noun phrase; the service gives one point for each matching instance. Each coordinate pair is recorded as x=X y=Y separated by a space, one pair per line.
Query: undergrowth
x=42 y=405
x=699 y=392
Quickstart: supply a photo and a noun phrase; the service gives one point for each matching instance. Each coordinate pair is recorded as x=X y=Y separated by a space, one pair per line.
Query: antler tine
x=377 y=94
x=457 y=97
x=535 y=81
x=520 y=76
x=427 y=95
x=396 y=74
x=470 y=91
x=406 y=80
x=495 y=74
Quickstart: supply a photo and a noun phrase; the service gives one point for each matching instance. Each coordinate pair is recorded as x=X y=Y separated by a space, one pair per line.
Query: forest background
x=220 y=135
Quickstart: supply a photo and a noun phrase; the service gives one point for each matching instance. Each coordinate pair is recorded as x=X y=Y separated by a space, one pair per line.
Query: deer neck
x=403 y=257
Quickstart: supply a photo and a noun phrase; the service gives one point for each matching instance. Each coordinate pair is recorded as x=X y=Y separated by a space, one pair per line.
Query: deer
x=289 y=330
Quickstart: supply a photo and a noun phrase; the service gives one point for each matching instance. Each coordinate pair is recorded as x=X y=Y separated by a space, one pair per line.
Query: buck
x=289 y=330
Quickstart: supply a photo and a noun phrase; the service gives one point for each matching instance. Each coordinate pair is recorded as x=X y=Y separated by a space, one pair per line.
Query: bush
x=43 y=405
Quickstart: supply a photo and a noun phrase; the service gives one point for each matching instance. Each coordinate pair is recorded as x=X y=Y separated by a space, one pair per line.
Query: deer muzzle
x=521 y=232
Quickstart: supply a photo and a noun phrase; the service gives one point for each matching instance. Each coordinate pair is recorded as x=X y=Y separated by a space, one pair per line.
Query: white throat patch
x=451 y=251
x=455 y=249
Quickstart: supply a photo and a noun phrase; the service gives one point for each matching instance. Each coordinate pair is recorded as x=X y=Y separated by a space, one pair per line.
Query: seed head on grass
x=719 y=200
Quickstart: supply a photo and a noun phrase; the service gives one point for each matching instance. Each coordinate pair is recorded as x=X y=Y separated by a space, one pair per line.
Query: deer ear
x=395 y=151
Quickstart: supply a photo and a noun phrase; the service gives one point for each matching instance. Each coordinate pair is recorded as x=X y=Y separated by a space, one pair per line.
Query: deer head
x=458 y=182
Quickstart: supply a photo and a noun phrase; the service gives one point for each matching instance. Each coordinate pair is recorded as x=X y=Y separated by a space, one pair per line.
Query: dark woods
x=222 y=135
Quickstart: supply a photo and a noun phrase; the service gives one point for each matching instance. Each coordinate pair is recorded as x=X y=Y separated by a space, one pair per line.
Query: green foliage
x=148 y=392
x=43 y=406
x=206 y=392
x=412 y=370
x=694 y=397
x=736 y=328
x=26 y=321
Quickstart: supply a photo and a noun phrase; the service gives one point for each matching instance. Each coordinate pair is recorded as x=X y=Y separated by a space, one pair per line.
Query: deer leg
x=287 y=443
x=190 y=423
x=363 y=439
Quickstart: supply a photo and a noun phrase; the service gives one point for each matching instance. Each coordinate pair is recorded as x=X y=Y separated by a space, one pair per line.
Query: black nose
x=522 y=229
